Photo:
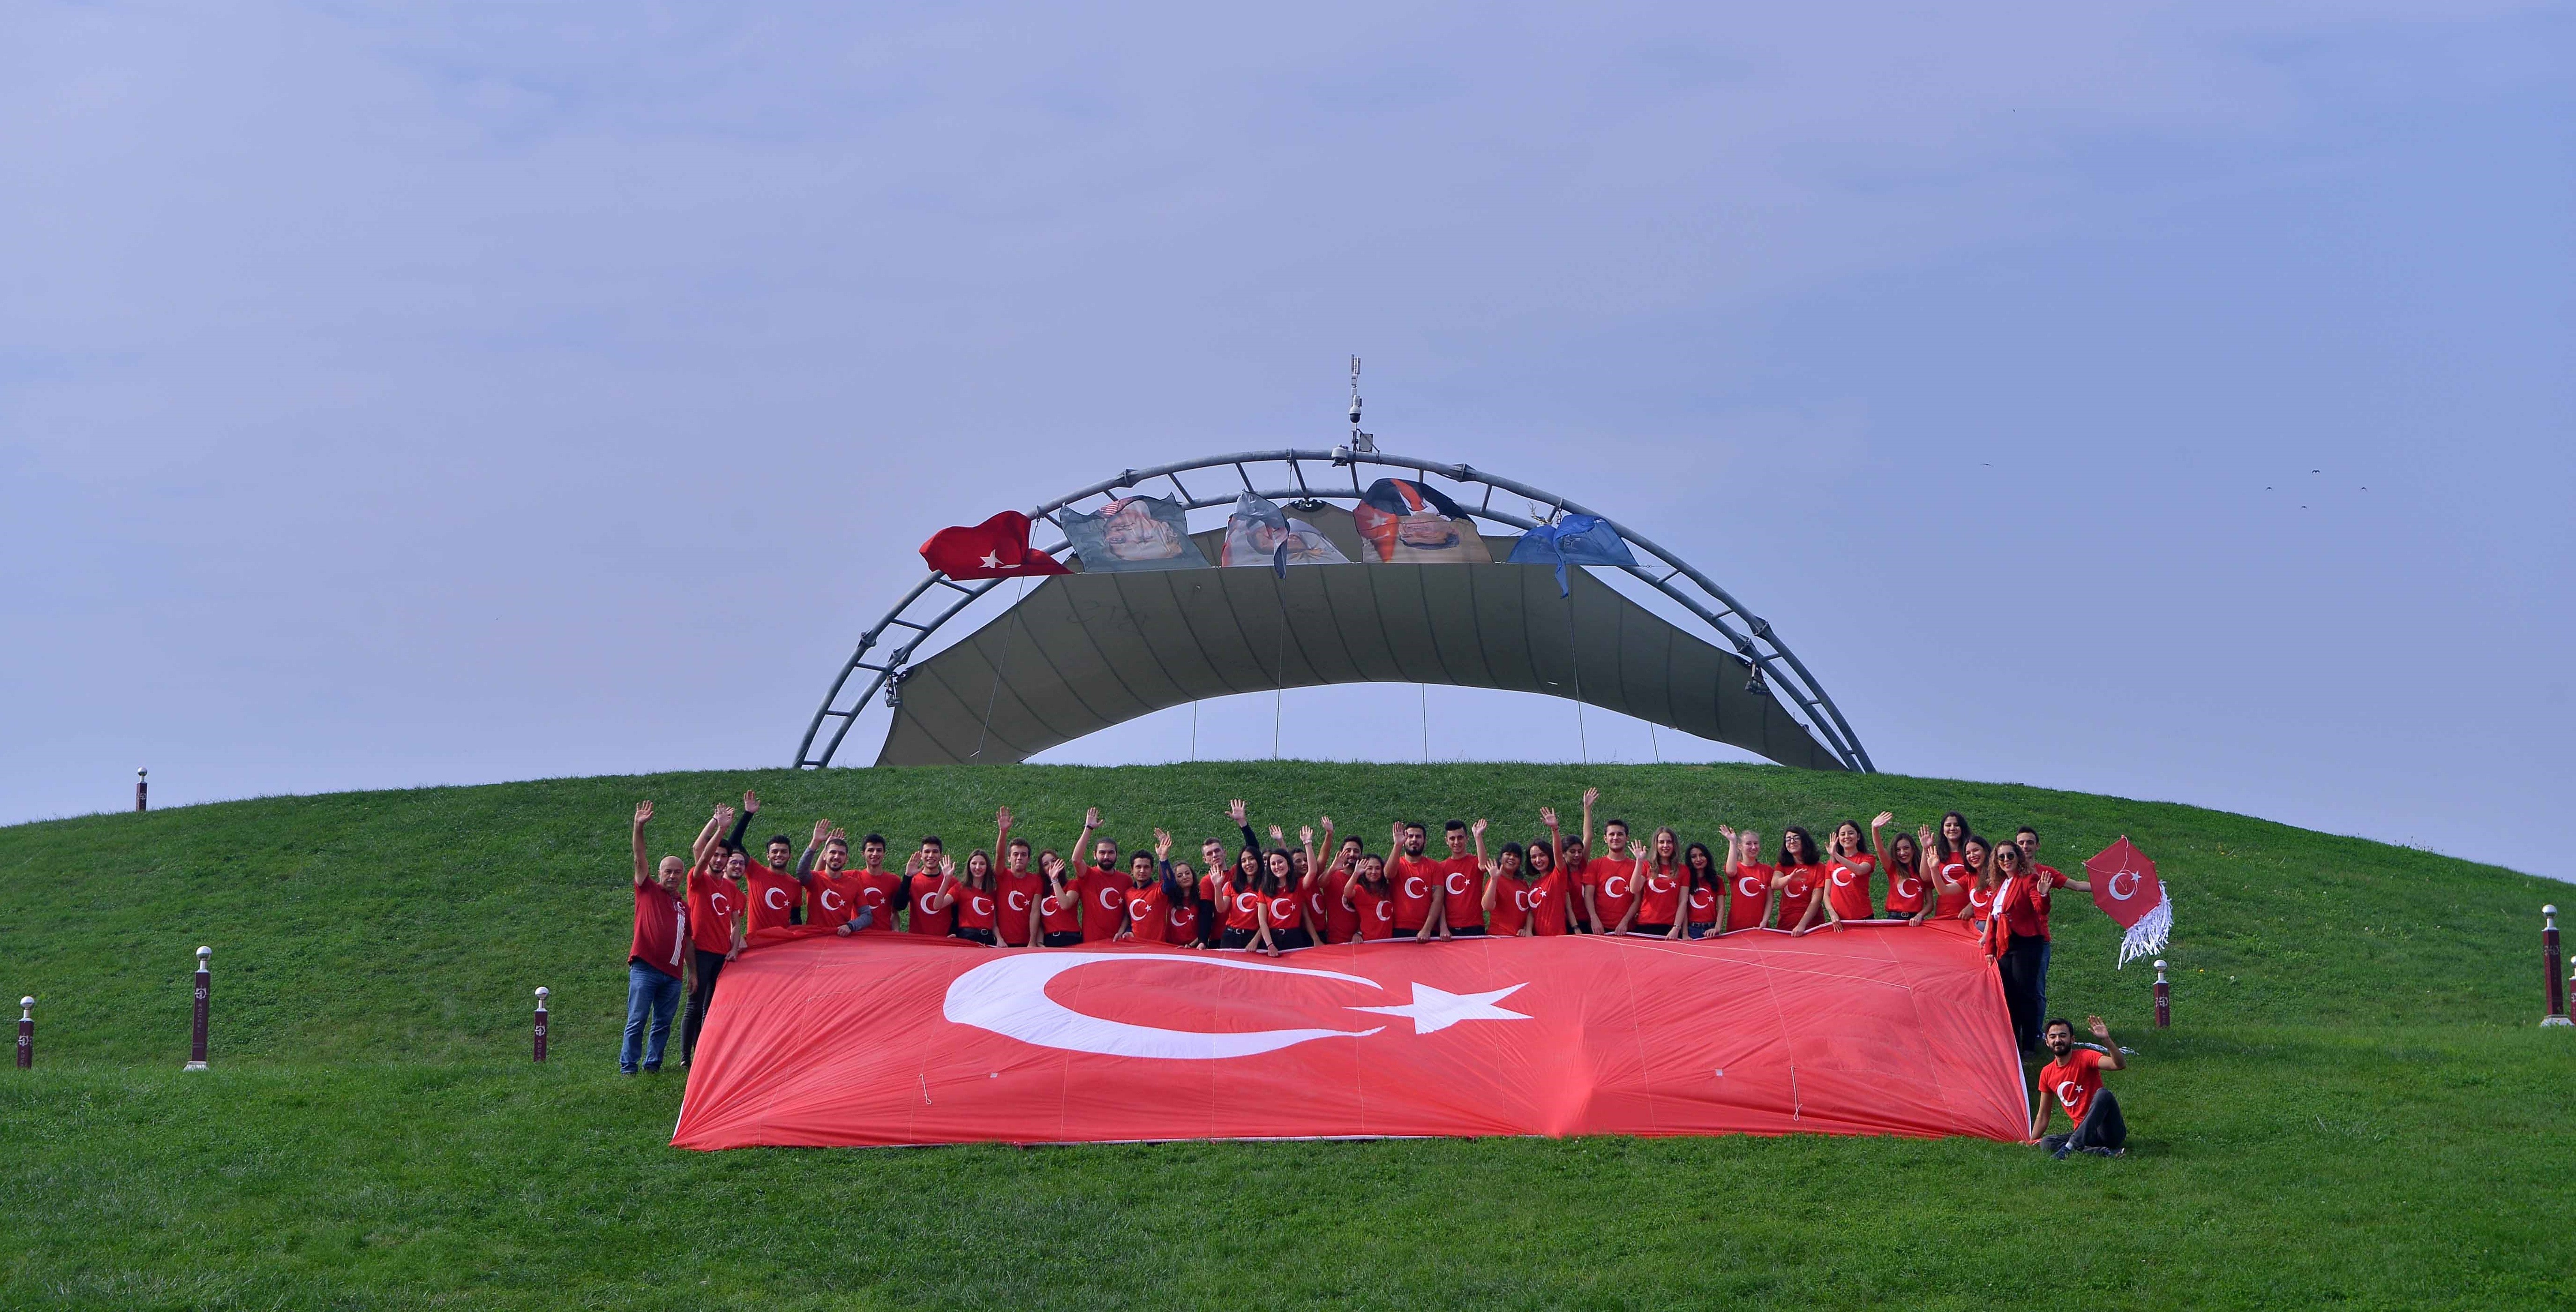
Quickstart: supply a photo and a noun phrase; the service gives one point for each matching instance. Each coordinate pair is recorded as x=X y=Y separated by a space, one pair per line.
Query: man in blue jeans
x=654 y=956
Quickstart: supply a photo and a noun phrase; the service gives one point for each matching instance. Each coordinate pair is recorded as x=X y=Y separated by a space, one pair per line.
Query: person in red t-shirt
x=976 y=896
x=1750 y=884
x=2074 y=1081
x=1098 y=889
x=775 y=891
x=1329 y=917
x=1370 y=899
x=2027 y=839
x=1662 y=885
x=1802 y=876
x=1707 y=890
x=1238 y=899
x=928 y=909
x=1507 y=890
x=715 y=927
x=1574 y=856
x=1060 y=911
x=1847 y=874
x=881 y=892
x=1907 y=889
x=1416 y=881
x=1146 y=907
x=1462 y=882
x=1614 y=874
x=1977 y=896
x=655 y=954
x=1548 y=883
x=839 y=895
x=1020 y=889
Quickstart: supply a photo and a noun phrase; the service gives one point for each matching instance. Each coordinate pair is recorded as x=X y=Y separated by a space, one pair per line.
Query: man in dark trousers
x=2074 y=1081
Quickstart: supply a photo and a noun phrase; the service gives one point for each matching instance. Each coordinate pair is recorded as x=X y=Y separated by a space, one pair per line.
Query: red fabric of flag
x=824 y=1041
x=998 y=548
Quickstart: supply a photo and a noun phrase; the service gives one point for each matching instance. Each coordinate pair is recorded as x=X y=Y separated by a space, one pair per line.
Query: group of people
x=693 y=915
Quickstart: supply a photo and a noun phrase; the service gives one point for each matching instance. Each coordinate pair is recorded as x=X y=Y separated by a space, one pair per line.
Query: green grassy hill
x=2354 y=1105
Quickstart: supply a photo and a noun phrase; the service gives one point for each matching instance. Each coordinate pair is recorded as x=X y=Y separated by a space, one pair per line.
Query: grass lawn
x=2355 y=1105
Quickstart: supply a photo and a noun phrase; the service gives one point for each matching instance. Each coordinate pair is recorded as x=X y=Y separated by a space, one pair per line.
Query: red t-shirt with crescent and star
x=880 y=891
x=1020 y=890
x=1748 y=893
x=1146 y=911
x=1548 y=906
x=975 y=906
x=1659 y=900
x=1847 y=890
x=713 y=900
x=2073 y=1079
x=1614 y=887
x=1060 y=915
x=1241 y=904
x=1511 y=905
x=1374 y=910
x=923 y=920
x=1703 y=904
x=1339 y=922
x=1950 y=903
x=1462 y=888
x=1798 y=892
x=1103 y=894
x=775 y=895
x=837 y=898
x=1181 y=921
x=1287 y=912
x=1904 y=891
x=660 y=924
x=1414 y=880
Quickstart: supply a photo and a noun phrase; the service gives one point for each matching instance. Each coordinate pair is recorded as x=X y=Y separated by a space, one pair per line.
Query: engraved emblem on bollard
x=197 y=1030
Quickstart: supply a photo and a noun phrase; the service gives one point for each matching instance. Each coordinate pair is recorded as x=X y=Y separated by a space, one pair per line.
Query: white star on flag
x=1436 y=1009
x=991 y=560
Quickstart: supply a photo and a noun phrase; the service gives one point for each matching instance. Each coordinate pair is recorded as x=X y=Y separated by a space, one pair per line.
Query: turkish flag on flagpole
x=2126 y=888
x=827 y=1041
x=998 y=548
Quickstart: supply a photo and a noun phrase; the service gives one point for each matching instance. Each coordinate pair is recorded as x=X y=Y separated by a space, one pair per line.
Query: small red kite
x=998 y=548
x=2126 y=888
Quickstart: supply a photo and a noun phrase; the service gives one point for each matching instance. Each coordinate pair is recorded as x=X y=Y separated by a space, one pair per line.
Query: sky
x=2167 y=401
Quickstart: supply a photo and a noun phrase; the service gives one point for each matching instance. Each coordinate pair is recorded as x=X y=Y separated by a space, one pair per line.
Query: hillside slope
x=2354 y=1105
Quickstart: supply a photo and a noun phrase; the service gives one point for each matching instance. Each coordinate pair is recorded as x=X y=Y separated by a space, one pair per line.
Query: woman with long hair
x=2014 y=935
x=1981 y=890
x=1802 y=873
x=1548 y=883
x=1847 y=874
x=1952 y=844
x=1661 y=886
x=977 y=897
x=1950 y=877
x=1284 y=892
x=1707 y=889
x=1905 y=881
x=1507 y=894
x=1060 y=911
x=1750 y=884
x=1239 y=895
x=1370 y=900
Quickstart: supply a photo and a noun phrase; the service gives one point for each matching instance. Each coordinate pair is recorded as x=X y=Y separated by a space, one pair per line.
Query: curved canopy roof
x=1082 y=652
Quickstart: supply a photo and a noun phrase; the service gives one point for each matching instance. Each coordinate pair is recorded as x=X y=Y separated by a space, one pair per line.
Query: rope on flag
x=2125 y=886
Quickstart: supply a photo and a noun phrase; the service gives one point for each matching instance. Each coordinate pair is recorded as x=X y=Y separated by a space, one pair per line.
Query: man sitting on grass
x=2074 y=1080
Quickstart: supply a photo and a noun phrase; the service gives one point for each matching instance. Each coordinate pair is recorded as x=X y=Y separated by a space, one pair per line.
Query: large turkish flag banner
x=828 y=1041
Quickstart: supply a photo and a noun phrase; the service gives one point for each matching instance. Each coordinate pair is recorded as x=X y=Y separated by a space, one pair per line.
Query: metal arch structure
x=938 y=599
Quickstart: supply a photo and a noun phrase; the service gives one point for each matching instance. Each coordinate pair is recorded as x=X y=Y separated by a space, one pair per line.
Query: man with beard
x=2074 y=1081
x=1414 y=880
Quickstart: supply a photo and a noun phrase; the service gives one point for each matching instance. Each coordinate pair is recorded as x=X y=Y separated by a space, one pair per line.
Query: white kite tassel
x=2147 y=937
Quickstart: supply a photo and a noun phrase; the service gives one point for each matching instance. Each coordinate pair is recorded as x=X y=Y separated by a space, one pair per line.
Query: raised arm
x=1235 y=812
x=643 y=863
x=707 y=835
x=742 y=821
x=1082 y=845
x=1590 y=795
x=1002 y=840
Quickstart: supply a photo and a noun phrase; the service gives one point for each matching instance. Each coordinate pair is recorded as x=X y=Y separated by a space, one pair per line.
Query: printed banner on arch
x=821 y=1041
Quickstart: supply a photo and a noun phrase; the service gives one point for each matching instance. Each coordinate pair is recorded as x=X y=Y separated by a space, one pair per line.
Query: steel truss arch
x=929 y=604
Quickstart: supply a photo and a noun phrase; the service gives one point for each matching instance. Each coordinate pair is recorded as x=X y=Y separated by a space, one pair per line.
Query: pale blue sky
x=396 y=395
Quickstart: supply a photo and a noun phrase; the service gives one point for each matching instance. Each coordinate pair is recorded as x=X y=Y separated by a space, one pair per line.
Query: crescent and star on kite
x=1009 y=998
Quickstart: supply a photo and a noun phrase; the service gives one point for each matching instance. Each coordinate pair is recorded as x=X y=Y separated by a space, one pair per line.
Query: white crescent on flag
x=1009 y=998
x=2124 y=894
